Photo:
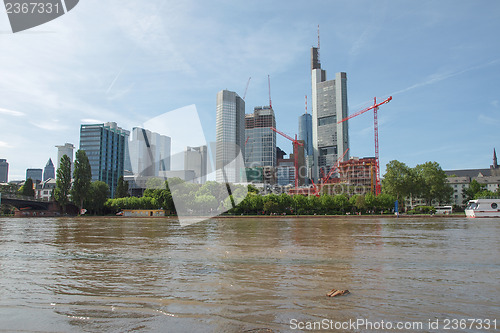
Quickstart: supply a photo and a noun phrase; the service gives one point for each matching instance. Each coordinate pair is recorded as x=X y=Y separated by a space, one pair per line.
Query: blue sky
x=131 y=60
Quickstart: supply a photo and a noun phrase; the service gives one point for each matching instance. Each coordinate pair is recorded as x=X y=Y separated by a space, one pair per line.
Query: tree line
x=213 y=196
x=426 y=181
x=79 y=189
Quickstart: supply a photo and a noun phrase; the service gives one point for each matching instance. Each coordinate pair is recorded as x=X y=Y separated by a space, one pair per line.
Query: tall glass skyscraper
x=329 y=104
x=104 y=145
x=230 y=136
x=36 y=175
x=260 y=149
x=305 y=132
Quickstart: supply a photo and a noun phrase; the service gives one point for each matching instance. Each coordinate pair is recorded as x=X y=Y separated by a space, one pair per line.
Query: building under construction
x=356 y=176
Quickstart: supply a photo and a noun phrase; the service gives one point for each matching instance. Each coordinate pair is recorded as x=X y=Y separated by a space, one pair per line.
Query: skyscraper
x=49 y=170
x=104 y=145
x=305 y=132
x=148 y=153
x=36 y=175
x=67 y=150
x=4 y=171
x=230 y=136
x=329 y=104
x=260 y=148
x=196 y=159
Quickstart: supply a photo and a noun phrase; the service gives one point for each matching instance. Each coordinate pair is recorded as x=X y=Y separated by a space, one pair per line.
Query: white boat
x=487 y=207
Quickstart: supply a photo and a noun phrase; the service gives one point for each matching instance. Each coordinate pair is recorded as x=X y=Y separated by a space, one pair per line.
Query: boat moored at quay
x=483 y=207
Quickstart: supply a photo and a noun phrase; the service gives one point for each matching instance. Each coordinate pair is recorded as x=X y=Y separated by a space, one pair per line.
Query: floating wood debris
x=336 y=292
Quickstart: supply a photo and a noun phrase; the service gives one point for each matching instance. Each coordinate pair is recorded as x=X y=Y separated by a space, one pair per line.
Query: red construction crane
x=324 y=180
x=295 y=153
x=375 y=126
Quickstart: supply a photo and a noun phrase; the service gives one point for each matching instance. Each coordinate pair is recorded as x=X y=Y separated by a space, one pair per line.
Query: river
x=247 y=274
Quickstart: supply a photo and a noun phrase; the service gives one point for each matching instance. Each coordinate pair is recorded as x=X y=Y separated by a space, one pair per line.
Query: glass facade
x=36 y=175
x=104 y=145
x=260 y=149
x=329 y=104
x=305 y=132
x=230 y=136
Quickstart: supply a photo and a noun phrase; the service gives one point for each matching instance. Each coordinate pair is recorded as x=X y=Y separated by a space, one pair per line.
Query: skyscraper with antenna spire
x=329 y=104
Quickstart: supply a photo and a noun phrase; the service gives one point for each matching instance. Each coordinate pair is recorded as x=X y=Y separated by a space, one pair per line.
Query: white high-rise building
x=196 y=159
x=329 y=105
x=148 y=153
x=230 y=137
x=66 y=149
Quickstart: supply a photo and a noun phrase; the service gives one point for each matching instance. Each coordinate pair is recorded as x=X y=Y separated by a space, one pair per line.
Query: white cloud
x=11 y=113
x=488 y=120
x=4 y=144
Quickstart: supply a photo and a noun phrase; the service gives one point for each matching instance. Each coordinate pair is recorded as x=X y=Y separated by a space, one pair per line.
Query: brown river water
x=249 y=275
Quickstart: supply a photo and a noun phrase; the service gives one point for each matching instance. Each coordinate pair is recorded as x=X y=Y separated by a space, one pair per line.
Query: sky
x=129 y=61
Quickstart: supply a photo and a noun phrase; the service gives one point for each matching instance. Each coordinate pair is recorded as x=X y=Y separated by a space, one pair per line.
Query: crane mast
x=374 y=107
x=296 y=143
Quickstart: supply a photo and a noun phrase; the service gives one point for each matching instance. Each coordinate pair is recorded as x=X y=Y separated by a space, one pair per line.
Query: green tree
x=63 y=182
x=341 y=201
x=327 y=204
x=271 y=203
x=433 y=183
x=474 y=188
x=27 y=189
x=371 y=201
x=82 y=176
x=399 y=180
x=252 y=189
x=98 y=195
x=385 y=201
x=121 y=188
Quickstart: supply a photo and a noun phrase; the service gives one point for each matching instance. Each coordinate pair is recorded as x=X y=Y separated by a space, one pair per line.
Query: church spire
x=495 y=162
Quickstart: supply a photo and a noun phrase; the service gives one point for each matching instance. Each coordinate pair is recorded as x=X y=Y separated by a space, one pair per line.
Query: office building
x=286 y=168
x=329 y=105
x=230 y=136
x=66 y=149
x=260 y=148
x=148 y=153
x=305 y=132
x=36 y=175
x=104 y=145
x=196 y=159
x=4 y=171
x=49 y=171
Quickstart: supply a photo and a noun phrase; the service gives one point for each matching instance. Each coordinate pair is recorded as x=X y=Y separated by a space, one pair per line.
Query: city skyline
x=438 y=60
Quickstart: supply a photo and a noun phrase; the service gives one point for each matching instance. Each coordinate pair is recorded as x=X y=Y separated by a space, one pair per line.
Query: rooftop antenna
x=269 y=83
x=306 y=104
x=318 y=46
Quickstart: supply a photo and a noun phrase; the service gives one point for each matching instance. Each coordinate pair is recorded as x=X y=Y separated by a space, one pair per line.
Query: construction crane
x=374 y=107
x=245 y=94
x=296 y=143
x=324 y=180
